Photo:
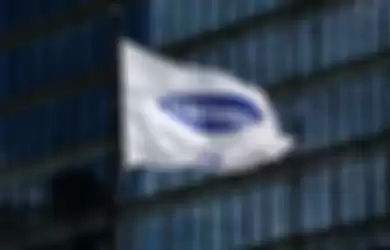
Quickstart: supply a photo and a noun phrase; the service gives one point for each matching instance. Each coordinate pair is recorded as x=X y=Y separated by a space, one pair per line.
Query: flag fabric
x=180 y=115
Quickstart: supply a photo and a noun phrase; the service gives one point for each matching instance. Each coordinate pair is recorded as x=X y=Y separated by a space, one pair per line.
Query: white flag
x=186 y=116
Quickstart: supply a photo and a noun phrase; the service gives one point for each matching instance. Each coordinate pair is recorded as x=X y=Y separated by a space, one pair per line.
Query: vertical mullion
x=387 y=179
x=294 y=178
x=113 y=163
x=168 y=230
x=369 y=195
x=267 y=212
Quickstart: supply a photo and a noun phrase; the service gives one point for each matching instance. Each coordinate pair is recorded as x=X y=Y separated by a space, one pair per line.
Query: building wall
x=55 y=98
x=325 y=113
x=174 y=19
x=324 y=116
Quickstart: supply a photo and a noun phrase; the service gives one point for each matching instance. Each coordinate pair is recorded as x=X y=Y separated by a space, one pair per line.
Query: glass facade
x=48 y=105
x=56 y=101
x=172 y=20
x=56 y=126
x=19 y=14
x=321 y=113
x=237 y=218
x=47 y=60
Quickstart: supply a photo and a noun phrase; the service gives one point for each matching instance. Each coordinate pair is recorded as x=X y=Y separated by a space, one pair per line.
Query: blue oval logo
x=211 y=112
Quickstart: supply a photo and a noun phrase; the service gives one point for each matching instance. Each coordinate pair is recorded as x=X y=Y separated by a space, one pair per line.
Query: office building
x=327 y=74
x=57 y=99
x=326 y=71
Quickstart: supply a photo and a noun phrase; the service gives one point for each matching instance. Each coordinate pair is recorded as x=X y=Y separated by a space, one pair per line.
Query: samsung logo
x=211 y=112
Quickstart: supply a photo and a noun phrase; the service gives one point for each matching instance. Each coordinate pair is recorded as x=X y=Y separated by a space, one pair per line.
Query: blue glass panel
x=237 y=217
x=102 y=42
x=3 y=156
x=348 y=110
x=217 y=233
x=248 y=212
x=163 y=180
x=173 y=12
x=319 y=105
x=313 y=123
x=4 y=17
x=316 y=212
x=147 y=182
x=282 y=53
x=223 y=56
x=385 y=100
x=377 y=118
x=349 y=30
x=44 y=9
x=361 y=117
x=28 y=81
x=270 y=46
x=352 y=188
x=383 y=19
x=325 y=133
x=13 y=146
x=175 y=27
x=156 y=19
x=205 y=225
x=131 y=183
x=262 y=55
x=264 y=6
x=367 y=100
x=71 y=51
x=329 y=30
x=228 y=12
x=283 y=50
x=367 y=25
x=58 y=125
x=146 y=233
x=30 y=143
x=188 y=227
x=231 y=56
x=263 y=221
x=188 y=18
x=335 y=106
x=244 y=9
x=137 y=20
x=178 y=179
x=169 y=19
x=13 y=60
x=178 y=229
x=31 y=12
x=304 y=46
x=250 y=54
x=243 y=59
x=257 y=197
x=47 y=52
x=4 y=77
x=227 y=221
x=19 y=13
x=167 y=229
x=360 y=105
x=381 y=168
x=196 y=218
x=49 y=60
x=280 y=196
x=210 y=11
